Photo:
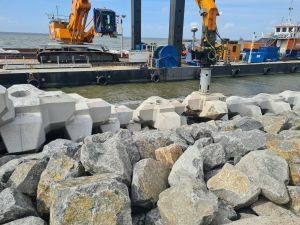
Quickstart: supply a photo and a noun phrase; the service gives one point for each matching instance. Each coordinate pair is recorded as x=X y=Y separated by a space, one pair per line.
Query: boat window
x=234 y=48
x=284 y=29
x=278 y=29
x=290 y=29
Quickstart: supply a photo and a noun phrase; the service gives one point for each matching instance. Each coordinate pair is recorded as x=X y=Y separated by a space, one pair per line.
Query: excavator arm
x=209 y=13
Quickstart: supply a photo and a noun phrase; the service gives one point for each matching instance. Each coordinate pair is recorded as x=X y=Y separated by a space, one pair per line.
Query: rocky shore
x=208 y=160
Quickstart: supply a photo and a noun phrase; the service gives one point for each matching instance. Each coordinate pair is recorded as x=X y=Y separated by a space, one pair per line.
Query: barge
x=122 y=73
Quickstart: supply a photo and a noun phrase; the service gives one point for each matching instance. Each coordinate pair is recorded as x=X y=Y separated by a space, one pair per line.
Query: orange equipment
x=73 y=36
x=74 y=31
x=209 y=13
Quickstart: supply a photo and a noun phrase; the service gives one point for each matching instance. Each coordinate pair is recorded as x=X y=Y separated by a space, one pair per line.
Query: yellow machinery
x=208 y=52
x=72 y=36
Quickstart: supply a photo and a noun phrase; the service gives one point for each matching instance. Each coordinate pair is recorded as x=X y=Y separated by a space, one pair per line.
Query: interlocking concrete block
x=58 y=107
x=80 y=125
x=7 y=110
x=167 y=121
x=123 y=113
x=25 y=133
x=197 y=99
x=272 y=103
x=159 y=113
x=243 y=106
x=292 y=97
x=214 y=109
x=112 y=125
x=134 y=127
x=99 y=109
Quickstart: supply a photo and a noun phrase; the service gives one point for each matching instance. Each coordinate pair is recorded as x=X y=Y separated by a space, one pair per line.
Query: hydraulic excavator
x=207 y=54
x=72 y=36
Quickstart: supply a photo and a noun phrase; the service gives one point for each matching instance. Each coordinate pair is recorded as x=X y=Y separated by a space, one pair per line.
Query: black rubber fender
x=235 y=72
x=155 y=78
x=294 y=69
x=34 y=82
x=267 y=70
x=102 y=80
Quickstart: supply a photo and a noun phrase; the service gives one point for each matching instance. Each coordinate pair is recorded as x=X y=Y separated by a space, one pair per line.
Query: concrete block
x=123 y=113
x=272 y=103
x=152 y=112
x=292 y=97
x=99 y=110
x=7 y=111
x=134 y=127
x=25 y=133
x=112 y=125
x=243 y=106
x=214 y=109
x=167 y=121
x=196 y=100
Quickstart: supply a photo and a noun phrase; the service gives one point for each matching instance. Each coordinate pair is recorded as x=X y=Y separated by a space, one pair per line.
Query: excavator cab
x=105 y=22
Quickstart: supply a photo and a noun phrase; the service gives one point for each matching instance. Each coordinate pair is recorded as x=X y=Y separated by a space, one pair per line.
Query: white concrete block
x=123 y=113
x=167 y=121
x=99 y=110
x=79 y=127
x=134 y=127
x=112 y=125
x=292 y=97
x=272 y=103
x=25 y=133
x=243 y=106
x=214 y=109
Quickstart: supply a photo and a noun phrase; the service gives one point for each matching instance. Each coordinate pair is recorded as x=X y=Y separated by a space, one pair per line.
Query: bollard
x=205 y=78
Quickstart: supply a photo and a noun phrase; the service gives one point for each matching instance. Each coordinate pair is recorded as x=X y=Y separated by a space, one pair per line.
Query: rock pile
x=244 y=170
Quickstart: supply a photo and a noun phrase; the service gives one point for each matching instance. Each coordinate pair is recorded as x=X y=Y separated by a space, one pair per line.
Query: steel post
x=136 y=24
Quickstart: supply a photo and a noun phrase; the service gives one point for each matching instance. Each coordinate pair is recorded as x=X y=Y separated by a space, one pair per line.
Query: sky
x=239 y=18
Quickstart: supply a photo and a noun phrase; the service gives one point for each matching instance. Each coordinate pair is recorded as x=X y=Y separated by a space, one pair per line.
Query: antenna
x=291 y=11
x=57 y=11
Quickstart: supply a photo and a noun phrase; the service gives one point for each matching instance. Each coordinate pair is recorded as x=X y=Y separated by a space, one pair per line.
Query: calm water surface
x=132 y=94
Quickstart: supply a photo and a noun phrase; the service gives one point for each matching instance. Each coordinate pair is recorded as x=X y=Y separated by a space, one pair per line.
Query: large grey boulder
x=148 y=141
x=27 y=176
x=273 y=124
x=247 y=124
x=270 y=172
x=150 y=178
x=187 y=204
x=59 y=168
x=6 y=158
x=66 y=147
x=234 y=187
x=237 y=143
x=125 y=137
x=110 y=156
x=30 y=220
x=153 y=218
x=8 y=168
x=188 y=168
x=213 y=155
x=14 y=205
x=264 y=207
x=90 y=200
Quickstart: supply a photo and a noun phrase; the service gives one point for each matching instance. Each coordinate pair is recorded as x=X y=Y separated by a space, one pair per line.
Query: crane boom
x=209 y=13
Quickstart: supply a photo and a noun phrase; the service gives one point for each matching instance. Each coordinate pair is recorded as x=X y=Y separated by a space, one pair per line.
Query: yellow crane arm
x=209 y=13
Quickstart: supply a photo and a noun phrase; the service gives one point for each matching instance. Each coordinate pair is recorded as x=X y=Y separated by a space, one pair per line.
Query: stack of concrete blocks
x=160 y=113
x=271 y=103
x=292 y=97
x=7 y=110
x=206 y=105
x=88 y=113
x=38 y=112
x=243 y=106
x=121 y=117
